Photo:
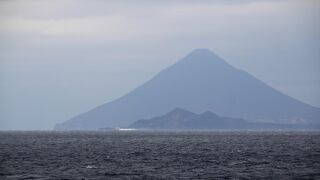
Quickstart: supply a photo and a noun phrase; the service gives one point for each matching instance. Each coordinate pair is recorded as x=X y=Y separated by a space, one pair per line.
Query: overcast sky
x=62 y=58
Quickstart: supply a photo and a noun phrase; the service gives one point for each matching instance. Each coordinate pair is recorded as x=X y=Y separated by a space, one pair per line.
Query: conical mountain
x=200 y=81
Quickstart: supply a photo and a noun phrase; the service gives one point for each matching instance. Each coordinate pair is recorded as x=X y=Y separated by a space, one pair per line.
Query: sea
x=159 y=155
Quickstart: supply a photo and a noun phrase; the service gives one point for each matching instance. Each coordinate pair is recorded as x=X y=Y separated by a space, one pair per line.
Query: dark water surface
x=146 y=155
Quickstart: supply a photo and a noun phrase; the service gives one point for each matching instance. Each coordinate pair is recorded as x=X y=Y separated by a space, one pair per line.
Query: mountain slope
x=198 y=82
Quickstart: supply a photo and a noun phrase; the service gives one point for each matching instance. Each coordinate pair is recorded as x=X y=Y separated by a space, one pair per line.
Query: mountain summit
x=198 y=82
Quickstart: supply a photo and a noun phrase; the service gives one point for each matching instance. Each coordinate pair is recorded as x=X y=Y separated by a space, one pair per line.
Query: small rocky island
x=181 y=119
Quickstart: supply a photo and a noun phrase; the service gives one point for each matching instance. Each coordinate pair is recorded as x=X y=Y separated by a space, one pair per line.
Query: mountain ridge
x=180 y=119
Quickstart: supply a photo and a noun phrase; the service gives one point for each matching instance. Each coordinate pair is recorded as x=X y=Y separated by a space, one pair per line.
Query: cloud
x=80 y=8
x=129 y=22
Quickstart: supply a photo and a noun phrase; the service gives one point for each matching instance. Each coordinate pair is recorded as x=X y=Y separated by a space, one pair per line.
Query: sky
x=62 y=58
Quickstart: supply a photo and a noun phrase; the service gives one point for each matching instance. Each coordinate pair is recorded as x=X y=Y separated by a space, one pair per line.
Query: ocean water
x=159 y=155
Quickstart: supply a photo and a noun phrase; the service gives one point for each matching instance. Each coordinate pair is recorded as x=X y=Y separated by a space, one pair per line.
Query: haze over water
x=177 y=89
x=62 y=58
